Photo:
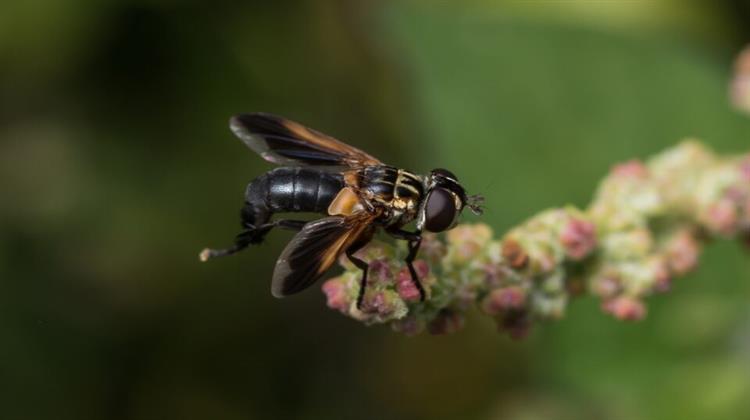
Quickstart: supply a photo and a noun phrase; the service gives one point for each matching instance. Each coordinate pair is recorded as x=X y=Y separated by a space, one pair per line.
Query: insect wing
x=285 y=142
x=314 y=250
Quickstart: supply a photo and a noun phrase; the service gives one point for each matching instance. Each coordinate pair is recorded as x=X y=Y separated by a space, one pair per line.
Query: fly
x=357 y=193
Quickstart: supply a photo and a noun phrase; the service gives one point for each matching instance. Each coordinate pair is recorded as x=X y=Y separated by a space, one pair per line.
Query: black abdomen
x=294 y=190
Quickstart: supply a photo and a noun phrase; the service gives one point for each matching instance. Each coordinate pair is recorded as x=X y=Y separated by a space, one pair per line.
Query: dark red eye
x=440 y=210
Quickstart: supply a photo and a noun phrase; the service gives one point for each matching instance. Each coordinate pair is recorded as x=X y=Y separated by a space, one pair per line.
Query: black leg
x=262 y=230
x=290 y=224
x=362 y=265
x=251 y=235
x=415 y=240
x=208 y=253
x=413 y=250
x=241 y=241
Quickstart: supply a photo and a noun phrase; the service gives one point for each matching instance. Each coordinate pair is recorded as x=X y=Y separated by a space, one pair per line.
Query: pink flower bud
x=493 y=275
x=379 y=303
x=432 y=249
x=336 y=296
x=376 y=303
x=467 y=252
x=422 y=269
x=722 y=217
x=467 y=241
x=625 y=308
x=407 y=289
x=606 y=286
x=682 y=253
x=630 y=169
x=544 y=262
x=579 y=238
x=380 y=273
x=504 y=299
x=735 y=194
x=405 y=285
x=478 y=233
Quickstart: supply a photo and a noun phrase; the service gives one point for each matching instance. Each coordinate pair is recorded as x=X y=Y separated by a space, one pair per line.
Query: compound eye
x=440 y=210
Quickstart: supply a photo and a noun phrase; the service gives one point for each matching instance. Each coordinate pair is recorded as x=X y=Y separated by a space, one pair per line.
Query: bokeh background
x=117 y=167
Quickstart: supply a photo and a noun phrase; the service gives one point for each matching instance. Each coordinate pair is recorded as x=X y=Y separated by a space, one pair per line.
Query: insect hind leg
x=362 y=265
x=247 y=237
x=252 y=234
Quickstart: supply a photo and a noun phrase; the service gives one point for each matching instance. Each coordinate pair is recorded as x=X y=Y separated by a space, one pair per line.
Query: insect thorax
x=396 y=191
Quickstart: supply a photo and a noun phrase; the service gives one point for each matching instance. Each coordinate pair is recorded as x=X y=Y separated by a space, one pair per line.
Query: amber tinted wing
x=314 y=250
x=285 y=142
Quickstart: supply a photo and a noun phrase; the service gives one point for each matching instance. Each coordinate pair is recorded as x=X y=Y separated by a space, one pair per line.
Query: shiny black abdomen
x=296 y=189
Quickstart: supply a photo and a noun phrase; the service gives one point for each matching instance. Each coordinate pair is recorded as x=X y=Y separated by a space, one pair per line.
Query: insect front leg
x=414 y=240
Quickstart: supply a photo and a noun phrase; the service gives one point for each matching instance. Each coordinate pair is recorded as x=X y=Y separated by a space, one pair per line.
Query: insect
x=356 y=192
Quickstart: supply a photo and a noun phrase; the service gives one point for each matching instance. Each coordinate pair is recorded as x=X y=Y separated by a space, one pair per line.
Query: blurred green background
x=117 y=167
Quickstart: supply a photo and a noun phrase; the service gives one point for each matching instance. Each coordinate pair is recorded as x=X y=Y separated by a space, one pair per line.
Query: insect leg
x=257 y=233
x=415 y=240
x=250 y=236
x=290 y=224
x=241 y=242
x=413 y=249
x=362 y=265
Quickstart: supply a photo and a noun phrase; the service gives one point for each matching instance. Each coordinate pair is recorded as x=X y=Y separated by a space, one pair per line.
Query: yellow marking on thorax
x=400 y=203
x=402 y=174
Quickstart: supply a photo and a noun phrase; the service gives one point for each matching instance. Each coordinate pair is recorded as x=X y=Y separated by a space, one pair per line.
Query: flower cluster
x=644 y=228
